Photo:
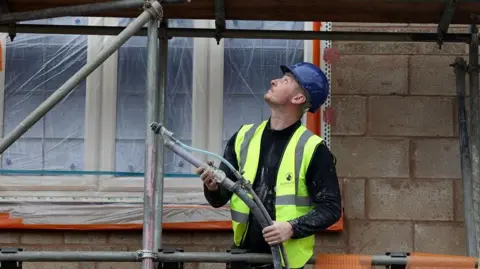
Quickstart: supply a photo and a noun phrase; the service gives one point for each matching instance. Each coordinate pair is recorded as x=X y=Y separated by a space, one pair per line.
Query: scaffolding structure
x=158 y=34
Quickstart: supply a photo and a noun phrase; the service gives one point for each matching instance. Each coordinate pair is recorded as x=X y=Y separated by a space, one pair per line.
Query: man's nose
x=273 y=82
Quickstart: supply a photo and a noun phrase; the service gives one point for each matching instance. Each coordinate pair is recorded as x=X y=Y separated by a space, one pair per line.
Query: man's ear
x=299 y=99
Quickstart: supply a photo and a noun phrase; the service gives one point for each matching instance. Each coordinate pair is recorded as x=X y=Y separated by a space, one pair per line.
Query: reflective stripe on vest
x=292 y=200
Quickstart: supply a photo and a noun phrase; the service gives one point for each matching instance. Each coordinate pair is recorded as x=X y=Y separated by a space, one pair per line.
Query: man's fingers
x=211 y=182
x=199 y=170
x=271 y=234
x=268 y=229
x=206 y=174
x=273 y=240
x=270 y=237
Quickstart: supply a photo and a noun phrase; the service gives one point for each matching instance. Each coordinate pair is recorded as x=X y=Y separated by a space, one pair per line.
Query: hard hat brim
x=286 y=69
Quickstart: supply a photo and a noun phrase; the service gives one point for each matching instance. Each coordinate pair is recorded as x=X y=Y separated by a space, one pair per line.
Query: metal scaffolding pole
x=162 y=61
x=475 y=123
x=151 y=147
x=68 y=86
x=77 y=10
x=252 y=34
x=213 y=257
x=466 y=163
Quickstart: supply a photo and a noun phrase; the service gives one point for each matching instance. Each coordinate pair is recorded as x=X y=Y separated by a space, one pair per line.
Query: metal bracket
x=155 y=8
x=460 y=64
x=146 y=254
x=170 y=265
x=397 y=255
x=236 y=265
x=474 y=41
x=445 y=20
x=219 y=20
x=12 y=31
x=10 y=264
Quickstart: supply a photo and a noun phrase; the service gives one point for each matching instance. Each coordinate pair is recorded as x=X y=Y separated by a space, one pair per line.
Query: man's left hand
x=278 y=233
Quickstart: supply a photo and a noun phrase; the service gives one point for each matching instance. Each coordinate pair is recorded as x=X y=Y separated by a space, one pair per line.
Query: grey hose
x=255 y=205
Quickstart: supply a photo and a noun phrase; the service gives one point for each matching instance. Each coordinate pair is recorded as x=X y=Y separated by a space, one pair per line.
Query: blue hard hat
x=312 y=80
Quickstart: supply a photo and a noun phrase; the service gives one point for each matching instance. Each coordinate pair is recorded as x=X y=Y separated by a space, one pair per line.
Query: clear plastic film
x=82 y=164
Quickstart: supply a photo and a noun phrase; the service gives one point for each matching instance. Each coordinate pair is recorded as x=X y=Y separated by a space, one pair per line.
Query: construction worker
x=290 y=169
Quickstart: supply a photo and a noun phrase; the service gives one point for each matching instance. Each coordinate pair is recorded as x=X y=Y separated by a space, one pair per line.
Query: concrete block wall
x=396 y=142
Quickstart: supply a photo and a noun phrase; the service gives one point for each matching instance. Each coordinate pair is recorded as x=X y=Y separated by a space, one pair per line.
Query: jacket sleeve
x=221 y=196
x=324 y=190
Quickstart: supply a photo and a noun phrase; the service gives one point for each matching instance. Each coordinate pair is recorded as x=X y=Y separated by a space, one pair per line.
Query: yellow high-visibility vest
x=292 y=199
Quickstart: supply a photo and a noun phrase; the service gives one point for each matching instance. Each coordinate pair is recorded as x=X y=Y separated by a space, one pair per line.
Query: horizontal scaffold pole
x=199 y=257
x=251 y=34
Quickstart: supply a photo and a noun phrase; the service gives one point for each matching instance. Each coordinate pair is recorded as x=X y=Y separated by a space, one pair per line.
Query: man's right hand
x=207 y=177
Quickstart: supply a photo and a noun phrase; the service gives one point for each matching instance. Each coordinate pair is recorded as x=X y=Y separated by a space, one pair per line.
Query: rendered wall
x=395 y=139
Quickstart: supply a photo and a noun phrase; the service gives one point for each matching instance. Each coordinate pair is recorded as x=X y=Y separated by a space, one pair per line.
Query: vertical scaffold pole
x=460 y=67
x=85 y=71
x=475 y=125
x=162 y=89
x=151 y=141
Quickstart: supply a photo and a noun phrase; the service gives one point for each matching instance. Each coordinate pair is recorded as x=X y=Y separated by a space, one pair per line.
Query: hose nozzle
x=158 y=128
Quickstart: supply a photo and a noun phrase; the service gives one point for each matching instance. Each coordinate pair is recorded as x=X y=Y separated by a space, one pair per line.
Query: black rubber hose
x=257 y=212
x=237 y=189
x=259 y=203
x=270 y=222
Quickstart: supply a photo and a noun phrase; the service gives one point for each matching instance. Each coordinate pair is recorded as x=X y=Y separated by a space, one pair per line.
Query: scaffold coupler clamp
x=401 y=255
x=170 y=265
x=155 y=8
x=236 y=265
x=10 y=264
x=146 y=254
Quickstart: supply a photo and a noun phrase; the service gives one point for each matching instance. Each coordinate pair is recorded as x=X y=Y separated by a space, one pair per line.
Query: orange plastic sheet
x=418 y=260
x=9 y=221
x=342 y=261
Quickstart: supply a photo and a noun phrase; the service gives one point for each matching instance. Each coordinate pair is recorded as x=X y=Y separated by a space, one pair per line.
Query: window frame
x=100 y=125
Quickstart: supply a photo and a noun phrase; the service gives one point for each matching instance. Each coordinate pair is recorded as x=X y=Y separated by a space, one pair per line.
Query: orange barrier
x=418 y=260
x=342 y=261
x=415 y=260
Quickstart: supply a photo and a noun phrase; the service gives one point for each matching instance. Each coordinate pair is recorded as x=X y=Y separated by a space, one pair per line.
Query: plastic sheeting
x=38 y=168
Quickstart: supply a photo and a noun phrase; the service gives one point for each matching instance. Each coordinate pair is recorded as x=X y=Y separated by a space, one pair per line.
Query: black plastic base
x=170 y=265
x=397 y=255
x=10 y=264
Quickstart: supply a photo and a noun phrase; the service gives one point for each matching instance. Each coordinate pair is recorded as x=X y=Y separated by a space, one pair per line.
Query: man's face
x=283 y=91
